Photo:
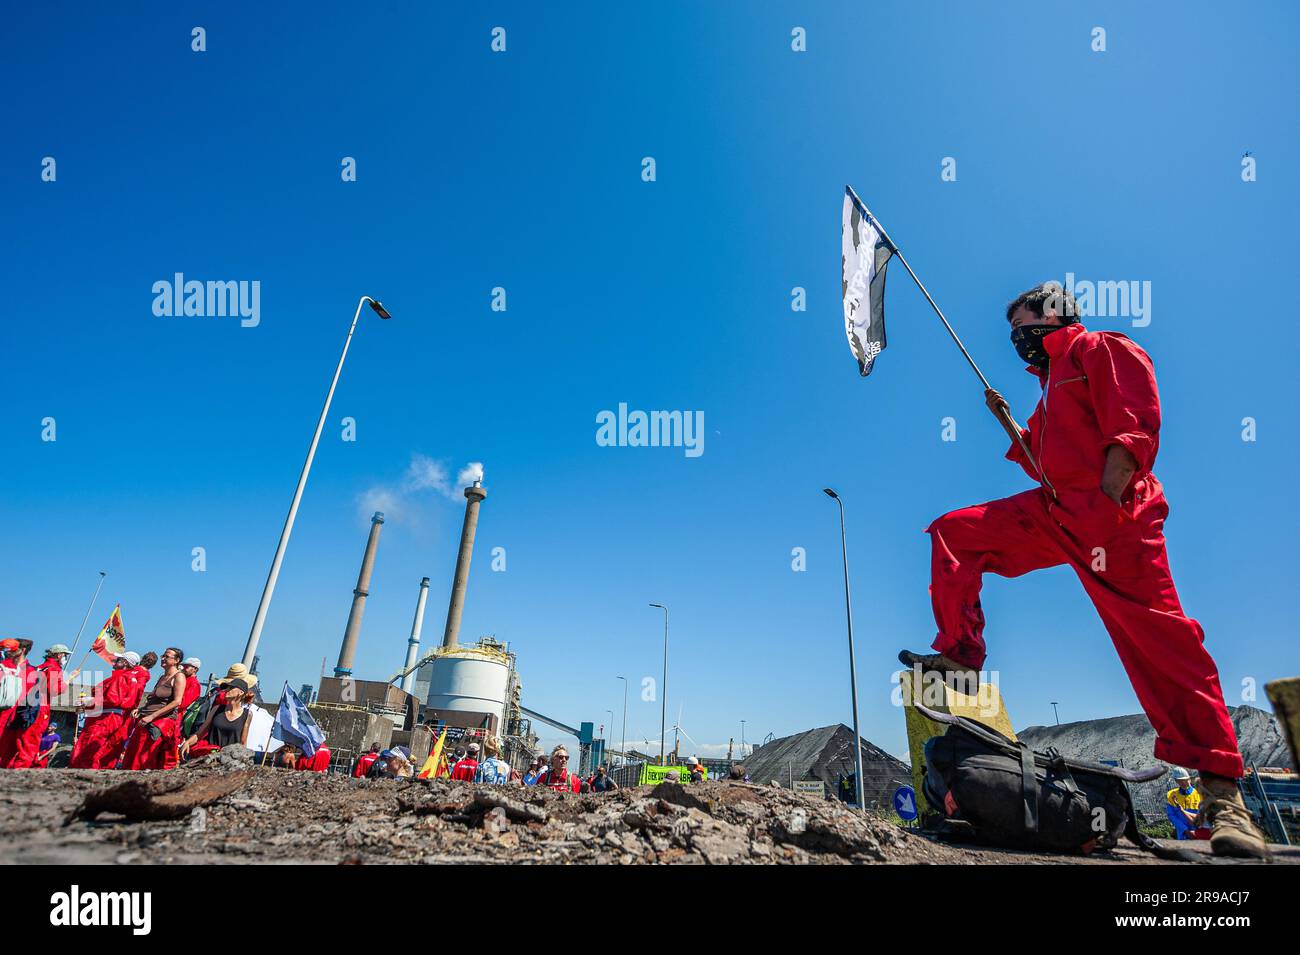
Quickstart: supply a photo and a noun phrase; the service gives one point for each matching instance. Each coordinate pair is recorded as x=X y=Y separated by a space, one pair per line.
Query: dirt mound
x=277 y=816
x=283 y=816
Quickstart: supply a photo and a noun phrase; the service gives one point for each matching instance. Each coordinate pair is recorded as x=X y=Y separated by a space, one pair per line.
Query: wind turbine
x=677 y=729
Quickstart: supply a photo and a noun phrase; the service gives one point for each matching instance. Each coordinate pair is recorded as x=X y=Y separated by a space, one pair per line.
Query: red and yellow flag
x=436 y=764
x=112 y=639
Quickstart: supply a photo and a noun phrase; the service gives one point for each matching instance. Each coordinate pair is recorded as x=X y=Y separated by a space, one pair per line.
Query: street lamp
x=623 y=747
x=742 y=739
x=853 y=671
x=1057 y=712
x=663 y=694
x=255 y=634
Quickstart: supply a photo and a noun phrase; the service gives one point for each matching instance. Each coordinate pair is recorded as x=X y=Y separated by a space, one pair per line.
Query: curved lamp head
x=830 y=493
x=379 y=309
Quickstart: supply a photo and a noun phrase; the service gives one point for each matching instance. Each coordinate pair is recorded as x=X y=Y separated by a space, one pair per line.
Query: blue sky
x=523 y=170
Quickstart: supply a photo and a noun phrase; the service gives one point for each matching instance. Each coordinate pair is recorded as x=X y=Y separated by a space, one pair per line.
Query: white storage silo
x=470 y=679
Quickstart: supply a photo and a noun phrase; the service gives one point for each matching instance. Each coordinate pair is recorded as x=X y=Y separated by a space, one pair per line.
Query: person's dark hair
x=1048 y=297
x=180 y=654
x=148 y=660
x=25 y=646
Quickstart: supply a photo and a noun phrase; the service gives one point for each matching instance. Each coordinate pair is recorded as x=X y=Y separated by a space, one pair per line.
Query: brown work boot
x=937 y=663
x=1233 y=832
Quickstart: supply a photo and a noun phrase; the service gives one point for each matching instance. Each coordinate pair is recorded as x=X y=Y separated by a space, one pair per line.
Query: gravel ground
x=223 y=812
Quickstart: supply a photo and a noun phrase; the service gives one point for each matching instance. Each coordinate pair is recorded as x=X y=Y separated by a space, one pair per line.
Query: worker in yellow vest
x=1183 y=807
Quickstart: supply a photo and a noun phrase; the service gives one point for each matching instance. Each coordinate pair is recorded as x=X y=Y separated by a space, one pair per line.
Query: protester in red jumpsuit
x=1100 y=510
x=155 y=739
x=364 y=763
x=557 y=775
x=193 y=687
x=9 y=650
x=318 y=761
x=144 y=666
x=20 y=743
x=467 y=768
x=108 y=716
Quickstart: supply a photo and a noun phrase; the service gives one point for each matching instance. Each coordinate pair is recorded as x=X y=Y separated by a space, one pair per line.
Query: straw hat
x=238 y=671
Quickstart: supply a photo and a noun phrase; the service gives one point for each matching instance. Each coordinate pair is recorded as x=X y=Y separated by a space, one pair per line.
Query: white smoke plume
x=426 y=474
x=470 y=473
x=400 y=500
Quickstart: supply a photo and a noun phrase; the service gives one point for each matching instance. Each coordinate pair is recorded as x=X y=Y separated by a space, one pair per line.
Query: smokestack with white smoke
x=472 y=473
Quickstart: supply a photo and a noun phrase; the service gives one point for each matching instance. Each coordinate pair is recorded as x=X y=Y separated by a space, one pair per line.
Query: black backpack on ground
x=992 y=790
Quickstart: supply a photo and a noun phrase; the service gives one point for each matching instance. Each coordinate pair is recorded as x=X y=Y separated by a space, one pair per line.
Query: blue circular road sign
x=905 y=803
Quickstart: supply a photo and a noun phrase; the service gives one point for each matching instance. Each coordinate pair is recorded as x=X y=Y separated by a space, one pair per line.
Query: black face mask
x=1028 y=340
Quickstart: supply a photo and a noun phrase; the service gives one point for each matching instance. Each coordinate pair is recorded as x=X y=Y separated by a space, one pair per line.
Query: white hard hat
x=130 y=657
x=192 y=662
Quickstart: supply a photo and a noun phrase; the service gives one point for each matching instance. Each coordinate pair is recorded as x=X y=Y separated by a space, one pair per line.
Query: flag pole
x=1003 y=415
x=84 y=619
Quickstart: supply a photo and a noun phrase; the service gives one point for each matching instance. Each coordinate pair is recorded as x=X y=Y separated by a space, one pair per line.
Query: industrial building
x=469 y=690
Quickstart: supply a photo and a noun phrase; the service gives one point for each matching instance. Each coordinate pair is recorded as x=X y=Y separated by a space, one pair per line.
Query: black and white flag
x=866 y=252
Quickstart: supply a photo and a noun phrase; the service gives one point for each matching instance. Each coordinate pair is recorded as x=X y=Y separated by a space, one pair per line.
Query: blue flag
x=294 y=724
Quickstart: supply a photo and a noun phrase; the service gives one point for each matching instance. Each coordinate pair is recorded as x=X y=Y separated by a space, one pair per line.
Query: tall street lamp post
x=250 y=649
x=663 y=694
x=623 y=747
x=853 y=671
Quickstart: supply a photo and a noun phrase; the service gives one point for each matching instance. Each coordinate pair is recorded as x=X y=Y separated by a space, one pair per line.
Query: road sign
x=905 y=803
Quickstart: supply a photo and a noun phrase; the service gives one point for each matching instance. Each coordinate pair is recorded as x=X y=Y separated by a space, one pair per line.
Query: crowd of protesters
x=130 y=724
x=132 y=719
x=549 y=774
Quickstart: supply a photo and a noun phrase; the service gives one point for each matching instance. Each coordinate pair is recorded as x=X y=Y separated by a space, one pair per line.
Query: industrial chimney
x=413 y=642
x=349 y=648
x=474 y=496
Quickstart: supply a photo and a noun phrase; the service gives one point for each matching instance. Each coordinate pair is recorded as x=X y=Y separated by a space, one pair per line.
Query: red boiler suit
x=192 y=688
x=100 y=744
x=1098 y=390
x=465 y=770
x=363 y=765
x=20 y=747
x=569 y=782
x=319 y=762
x=6 y=715
x=145 y=752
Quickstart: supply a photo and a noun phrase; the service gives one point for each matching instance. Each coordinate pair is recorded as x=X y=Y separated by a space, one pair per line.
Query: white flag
x=865 y=253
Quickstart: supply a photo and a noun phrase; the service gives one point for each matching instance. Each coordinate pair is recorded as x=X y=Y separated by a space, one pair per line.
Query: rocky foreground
x=224 y=811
